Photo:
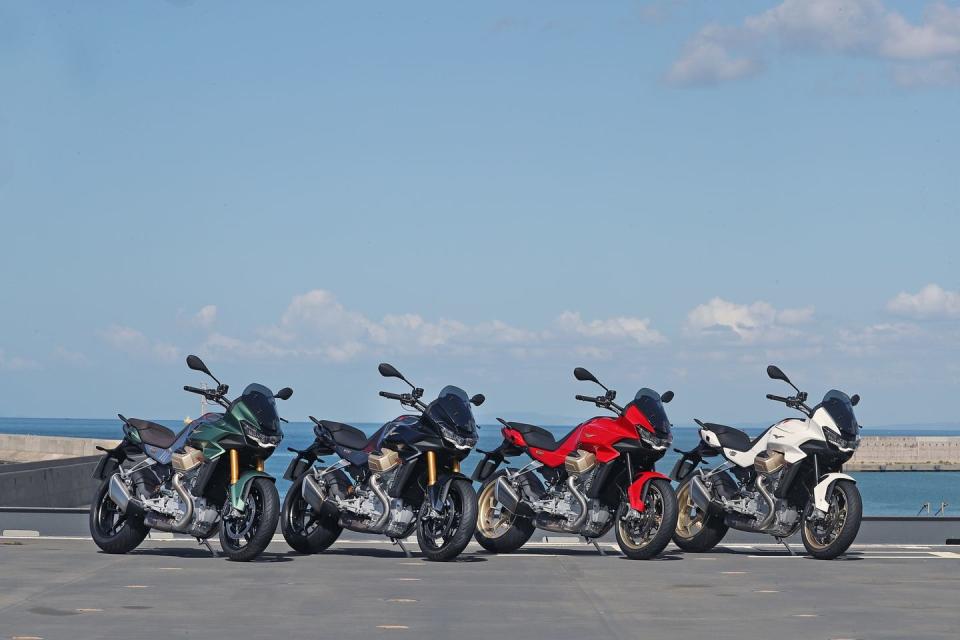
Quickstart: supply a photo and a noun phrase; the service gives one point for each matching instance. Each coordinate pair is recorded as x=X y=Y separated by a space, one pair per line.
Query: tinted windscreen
x=648 y=401
x=838 y=405
x=452 y=410
x=259 y=401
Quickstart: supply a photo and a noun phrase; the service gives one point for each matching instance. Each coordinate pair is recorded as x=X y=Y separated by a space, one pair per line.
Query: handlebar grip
x=585 y=398
x=770 y=396
x=391 y=396
x=194 y=390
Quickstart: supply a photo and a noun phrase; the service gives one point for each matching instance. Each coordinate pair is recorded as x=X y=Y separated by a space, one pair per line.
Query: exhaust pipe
x=120 y=495
x=312 y=493
x=506 y=495
x=700 y=494
x=181 y=524
x=582 y=499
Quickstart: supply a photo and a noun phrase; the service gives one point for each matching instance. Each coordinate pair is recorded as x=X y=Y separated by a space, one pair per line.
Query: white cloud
x=132 y=342
x=206 y=317
x=877 y=337
x=636 y=330
x=931 y=301
x=16 y=363
x=923 y=51
x=756 y=322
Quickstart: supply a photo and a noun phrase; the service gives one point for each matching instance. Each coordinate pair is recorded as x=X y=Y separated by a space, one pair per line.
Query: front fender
x=822 y=489
x=437 y=493
x=637 y=491
x=239 y=491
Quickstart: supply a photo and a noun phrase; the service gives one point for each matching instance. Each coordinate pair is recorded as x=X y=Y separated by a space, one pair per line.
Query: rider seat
x=152 y=433
x=536 y=436
x=345 y=435
x=731 y=437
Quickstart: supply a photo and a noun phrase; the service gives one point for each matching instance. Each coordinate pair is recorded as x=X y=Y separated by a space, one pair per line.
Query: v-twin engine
x=565 y=508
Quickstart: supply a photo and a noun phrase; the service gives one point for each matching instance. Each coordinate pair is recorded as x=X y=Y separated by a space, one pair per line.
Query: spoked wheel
x=498 y=530
x=110 y=529
x=304 y=529
x=696 y=530
x=644 y=534
x=827 y=537
x=245 y=536
x=444 y=534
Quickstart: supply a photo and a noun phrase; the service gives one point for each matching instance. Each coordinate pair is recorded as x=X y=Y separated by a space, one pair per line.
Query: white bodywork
x=822 y=490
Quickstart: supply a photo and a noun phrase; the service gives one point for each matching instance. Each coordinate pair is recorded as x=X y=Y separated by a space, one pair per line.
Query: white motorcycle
x=786 y=479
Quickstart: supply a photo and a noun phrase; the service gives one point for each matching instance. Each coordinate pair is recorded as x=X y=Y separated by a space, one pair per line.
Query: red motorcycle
x=600 y=474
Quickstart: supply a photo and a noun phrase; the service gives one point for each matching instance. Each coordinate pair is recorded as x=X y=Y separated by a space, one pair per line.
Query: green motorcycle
x=207 y=477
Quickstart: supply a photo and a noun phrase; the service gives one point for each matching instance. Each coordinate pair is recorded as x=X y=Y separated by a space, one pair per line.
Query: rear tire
x=696 y=531
x=111 y=530
x=243 y=539
x=305 y=530
x=642 y=541
x=502 y=534
x=445 y=537
x=826 y=542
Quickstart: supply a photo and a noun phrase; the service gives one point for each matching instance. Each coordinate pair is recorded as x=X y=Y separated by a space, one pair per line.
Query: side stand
x=400 y=544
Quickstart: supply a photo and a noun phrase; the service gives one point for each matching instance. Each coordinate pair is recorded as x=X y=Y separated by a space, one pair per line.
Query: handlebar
x=586 y=398
x=391 y=396
x=770 y=396
x=196 y=390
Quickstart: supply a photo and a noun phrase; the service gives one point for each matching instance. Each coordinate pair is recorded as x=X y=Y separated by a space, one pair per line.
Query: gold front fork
x=234 y=466
x=259 y=465
x=431 y=468
x=455 y=466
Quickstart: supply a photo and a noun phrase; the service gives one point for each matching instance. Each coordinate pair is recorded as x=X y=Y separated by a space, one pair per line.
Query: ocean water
x=900 y=494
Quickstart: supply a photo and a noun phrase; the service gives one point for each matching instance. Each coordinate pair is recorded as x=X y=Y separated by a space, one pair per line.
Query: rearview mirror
x=389 y=371
x=196 y=364
x=666 y=397
x=774 y=372
x=582 y=374
x=284 y=394
x=855 y=400
x=477 y=400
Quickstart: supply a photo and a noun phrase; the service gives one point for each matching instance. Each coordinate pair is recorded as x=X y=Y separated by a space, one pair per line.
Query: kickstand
x=784 y=543
x=596 y=546
x=399 y=542
x=206 y=543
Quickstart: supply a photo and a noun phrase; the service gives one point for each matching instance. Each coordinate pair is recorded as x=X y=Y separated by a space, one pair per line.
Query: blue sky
x=673 y=194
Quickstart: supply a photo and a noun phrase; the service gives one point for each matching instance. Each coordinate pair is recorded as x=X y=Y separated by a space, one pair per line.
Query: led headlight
x=844 y=445
x=460 y=442
x=653 y=441
x=259 y=437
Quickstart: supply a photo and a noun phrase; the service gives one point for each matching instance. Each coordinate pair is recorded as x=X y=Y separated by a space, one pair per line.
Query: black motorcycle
x=405 y=476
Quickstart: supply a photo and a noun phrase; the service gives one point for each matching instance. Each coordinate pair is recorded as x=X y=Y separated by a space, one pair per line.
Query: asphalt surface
x=361 y=588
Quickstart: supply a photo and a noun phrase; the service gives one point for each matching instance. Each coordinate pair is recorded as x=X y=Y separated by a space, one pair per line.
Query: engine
x=564 y=507
x=368 y=508
x=755 y=507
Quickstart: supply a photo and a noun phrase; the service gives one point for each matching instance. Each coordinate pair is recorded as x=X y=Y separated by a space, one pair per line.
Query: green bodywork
x=207 y=438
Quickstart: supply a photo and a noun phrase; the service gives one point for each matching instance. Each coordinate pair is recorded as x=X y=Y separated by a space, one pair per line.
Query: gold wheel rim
x=690 y=519
x=655 y=503
x=489 y=524
x=841 y=516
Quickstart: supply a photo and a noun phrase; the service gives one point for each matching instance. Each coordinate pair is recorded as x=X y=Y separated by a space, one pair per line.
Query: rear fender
x=637 y=491
x=822 y=490
x=240 y=490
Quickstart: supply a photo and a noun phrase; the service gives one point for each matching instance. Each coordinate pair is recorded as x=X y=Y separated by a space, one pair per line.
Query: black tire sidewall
x=326 y=533
x=468 y=523
x=129 y=537
x=661 y=539
x=713 y=531
x=267 y=526
x=850 y=527
x=515 y=537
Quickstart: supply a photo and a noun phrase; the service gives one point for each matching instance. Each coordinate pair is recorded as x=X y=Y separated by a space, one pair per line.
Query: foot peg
x=400 y=544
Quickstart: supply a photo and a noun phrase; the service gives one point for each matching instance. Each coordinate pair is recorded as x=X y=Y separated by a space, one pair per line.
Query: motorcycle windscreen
x=648 y=401
x=258 y=399
x=840 y=408
x=452 y=410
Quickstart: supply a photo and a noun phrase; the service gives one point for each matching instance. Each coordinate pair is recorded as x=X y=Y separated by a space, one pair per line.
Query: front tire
x=827 y=538
x=499 y=532
x=305 y=530
x=696 y=531
x=245 y=537
x=110 y=529
x=445 y=535
x=647 y=535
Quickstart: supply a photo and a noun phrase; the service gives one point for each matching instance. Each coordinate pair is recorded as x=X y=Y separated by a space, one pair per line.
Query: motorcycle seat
x=536 y=436
x=152 y=433
x=731 y=437
x=345 y=435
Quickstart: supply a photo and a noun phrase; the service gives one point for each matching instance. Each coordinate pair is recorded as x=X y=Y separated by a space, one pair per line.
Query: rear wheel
x=110 y=529
x=498 y=530
x=442 y=535
x=644 y=535
x=827 y=537
x=696 y=530
x=304 y=529
x=245 y=535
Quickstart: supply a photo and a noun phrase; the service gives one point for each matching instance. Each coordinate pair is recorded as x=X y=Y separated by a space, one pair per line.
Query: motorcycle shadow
x=772 y=553
x=372 y=552
x=180 y=552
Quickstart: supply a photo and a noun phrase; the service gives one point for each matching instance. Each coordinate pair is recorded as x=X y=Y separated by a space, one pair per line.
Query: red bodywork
x=597 y=435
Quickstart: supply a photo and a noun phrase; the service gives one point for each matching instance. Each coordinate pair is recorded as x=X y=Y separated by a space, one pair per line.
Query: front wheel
x=305 y=530
x=443 y=534
x=645 y=534
x=244 y=536
x=827 y=537
x=498 y=530
x=110 y=529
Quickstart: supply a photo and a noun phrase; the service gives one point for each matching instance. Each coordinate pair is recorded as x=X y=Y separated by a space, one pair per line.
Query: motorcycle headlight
x=659 y=444
x=457 y=440
x=259 y=437
x=839 y=442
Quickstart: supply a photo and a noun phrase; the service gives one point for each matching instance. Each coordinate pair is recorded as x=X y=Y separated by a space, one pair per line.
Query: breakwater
x=906 y=453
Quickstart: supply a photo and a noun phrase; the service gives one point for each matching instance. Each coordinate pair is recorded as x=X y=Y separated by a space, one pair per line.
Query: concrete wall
x=51 y=483
x=24 y=448
x=907 y=452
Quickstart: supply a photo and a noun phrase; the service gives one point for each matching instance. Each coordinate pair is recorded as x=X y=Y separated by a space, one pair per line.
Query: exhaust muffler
x=700 y=494
x=120 y=495
x=506 y=495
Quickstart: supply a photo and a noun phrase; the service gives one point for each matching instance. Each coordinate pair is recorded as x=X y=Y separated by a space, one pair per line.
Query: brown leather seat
x=152 y=433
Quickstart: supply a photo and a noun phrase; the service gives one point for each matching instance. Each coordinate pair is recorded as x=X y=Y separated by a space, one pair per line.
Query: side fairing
x=213 y=428
x=786 y=437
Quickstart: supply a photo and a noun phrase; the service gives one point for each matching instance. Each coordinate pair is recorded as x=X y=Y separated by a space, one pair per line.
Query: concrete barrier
x=27 y=448
x=906 y=453
x=49 y=483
